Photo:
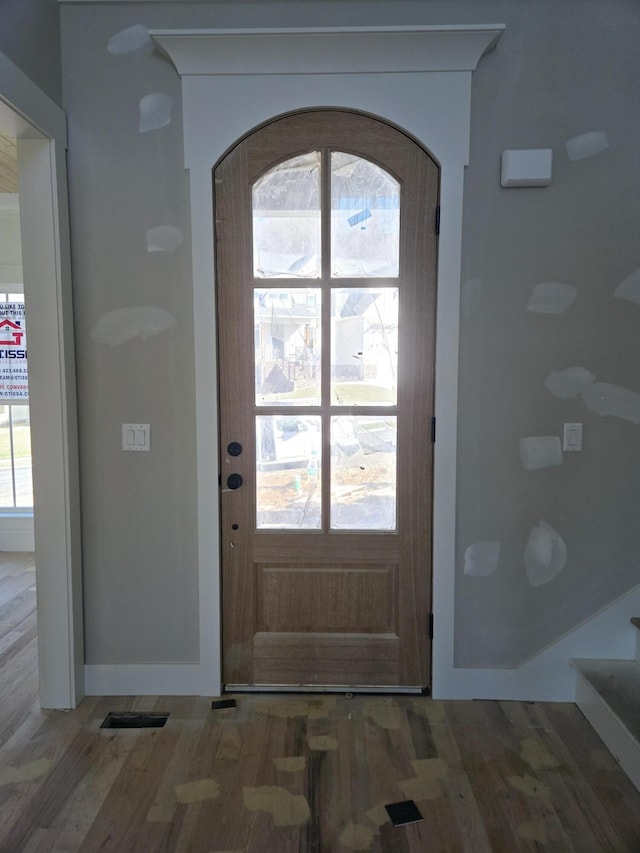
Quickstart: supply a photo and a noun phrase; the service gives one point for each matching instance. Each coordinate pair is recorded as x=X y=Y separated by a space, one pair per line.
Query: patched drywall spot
x=537 y=755
x=129 y=40
x=198 y=791
x=164 y=238
x=481 y=559
x=569 y=383
x=551 y=297
x=356 y=836
x=26 y=773
x=155 y=111
x=292 y=764
x=529 y=786
x=612 y=401
x=124 y=324
x=586 y=145
x=471 y=296
x=533 y=831
x=540 y=451
x=545 y=554
x=287 y=809
x=323 y=743
x=629 y=288
x=383 y=712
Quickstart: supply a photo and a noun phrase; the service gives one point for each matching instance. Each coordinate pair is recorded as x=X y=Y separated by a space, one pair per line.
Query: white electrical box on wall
x=526 y=167
x=136 y=437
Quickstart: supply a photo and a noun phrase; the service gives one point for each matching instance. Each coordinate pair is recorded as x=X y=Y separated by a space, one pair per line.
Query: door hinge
x=433 y=429
x=431 y=626
x=437 y=222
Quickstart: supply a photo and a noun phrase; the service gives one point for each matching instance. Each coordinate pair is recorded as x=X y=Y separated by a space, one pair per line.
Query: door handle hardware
x=234 y=481
x=234 y=448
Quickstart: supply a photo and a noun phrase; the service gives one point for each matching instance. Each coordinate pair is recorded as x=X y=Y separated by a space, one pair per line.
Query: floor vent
x=134 y=720
x=403 y=813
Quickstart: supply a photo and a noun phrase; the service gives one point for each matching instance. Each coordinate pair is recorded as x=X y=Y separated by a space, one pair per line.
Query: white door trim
x=233 y=81
x=40 y=127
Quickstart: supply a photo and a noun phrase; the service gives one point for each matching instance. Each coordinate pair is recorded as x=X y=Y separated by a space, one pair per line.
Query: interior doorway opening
x=38 y=127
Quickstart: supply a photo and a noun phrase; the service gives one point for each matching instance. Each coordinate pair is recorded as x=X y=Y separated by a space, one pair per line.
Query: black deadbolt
x=234 y=481
x=234 y=448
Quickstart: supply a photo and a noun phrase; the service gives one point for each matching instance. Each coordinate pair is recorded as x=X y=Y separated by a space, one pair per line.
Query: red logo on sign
x=16 y=335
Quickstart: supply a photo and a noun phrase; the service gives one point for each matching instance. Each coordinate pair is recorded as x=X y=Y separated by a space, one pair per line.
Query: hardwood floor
x=279 y=774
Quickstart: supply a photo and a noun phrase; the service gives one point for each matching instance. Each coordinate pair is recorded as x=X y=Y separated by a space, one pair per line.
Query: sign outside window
x=14 y=384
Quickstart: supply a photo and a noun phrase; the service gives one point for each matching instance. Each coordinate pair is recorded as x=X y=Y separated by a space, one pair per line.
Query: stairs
x=608 y=694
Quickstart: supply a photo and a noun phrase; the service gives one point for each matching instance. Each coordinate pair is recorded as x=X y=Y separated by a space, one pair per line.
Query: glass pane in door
x=288 y=472
x=363 y=472
x=286 y=219
x=364 y=346
x=365 y=219
x=287 y=346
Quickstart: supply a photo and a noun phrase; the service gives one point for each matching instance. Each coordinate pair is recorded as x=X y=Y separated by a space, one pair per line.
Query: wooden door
x=326 y=258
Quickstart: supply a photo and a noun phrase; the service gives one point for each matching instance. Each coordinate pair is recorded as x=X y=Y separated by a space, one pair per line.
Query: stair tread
x=618 y=683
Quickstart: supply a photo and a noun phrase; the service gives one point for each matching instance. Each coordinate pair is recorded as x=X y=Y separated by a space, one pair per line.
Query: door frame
x=40 y=128
x=235 y=81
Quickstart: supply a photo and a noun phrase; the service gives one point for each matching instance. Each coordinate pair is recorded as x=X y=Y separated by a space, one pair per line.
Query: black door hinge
x=433 y=429
x=437 y=223
x=431 y=626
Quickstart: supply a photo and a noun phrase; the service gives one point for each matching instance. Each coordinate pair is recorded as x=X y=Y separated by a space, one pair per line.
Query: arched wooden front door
x=326 y=259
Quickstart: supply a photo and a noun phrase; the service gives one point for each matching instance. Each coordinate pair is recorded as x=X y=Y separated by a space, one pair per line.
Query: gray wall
x=561 y=70
x=30 y=37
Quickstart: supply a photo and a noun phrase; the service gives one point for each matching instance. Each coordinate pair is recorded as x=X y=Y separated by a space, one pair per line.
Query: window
x=16 y=487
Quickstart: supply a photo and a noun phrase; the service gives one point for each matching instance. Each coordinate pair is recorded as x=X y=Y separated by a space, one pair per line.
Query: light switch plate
x=136 y=437
x=572 y=437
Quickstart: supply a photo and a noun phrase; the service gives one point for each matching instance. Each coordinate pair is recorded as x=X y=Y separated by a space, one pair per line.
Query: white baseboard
x=548 y=676
x=189 y=679
x=615 y=736
x=16 y=533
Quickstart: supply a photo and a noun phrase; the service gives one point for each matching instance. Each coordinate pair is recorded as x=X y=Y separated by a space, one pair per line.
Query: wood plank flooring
x=281 y=774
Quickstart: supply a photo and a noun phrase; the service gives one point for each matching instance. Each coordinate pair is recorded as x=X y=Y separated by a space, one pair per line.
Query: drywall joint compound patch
x=629 y=288
x=155 y=111
x=568 y=383
x=545 y=554
x=130 y=40
x=612 y=401
x=481 y=559
x=586 y=145
x=125 y=324
x=164 y=238
x=551 y=297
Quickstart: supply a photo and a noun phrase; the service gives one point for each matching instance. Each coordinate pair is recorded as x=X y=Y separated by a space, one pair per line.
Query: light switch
x=572 y=438
x=136 y=436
